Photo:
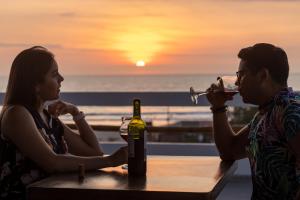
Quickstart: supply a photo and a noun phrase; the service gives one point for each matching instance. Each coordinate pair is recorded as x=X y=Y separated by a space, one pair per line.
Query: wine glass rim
x=126 y=118
x=192 y=91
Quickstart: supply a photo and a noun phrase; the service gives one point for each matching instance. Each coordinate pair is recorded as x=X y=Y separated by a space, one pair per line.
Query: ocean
x=132 y=83
x=109 y=115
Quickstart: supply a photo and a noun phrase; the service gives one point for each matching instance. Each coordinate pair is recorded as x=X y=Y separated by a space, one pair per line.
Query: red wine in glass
x=225 y=82
x=124 y=127
x=124 y=136
x=124 y=133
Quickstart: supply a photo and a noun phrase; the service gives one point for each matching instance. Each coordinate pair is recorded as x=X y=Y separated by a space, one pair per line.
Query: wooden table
x=168 y=177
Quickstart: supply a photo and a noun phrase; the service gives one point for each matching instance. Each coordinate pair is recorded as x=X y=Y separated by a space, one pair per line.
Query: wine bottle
x=137 y=155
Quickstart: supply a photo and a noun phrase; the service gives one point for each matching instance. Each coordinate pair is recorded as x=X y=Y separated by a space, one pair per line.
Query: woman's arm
x=85 y=143
x=76 y=142
x=18 y=126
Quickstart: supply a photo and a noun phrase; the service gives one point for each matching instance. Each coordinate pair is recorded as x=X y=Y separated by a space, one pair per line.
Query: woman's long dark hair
x=28 y=69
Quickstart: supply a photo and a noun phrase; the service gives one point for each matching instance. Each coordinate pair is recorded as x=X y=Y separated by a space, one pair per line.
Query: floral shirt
x=275 y=170
x=16 y=170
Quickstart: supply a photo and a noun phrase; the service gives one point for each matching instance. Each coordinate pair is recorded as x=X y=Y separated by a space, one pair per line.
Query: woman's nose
x=61 y=78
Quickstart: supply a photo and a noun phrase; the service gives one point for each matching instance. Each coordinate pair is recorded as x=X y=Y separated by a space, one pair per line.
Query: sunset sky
x=170 y=36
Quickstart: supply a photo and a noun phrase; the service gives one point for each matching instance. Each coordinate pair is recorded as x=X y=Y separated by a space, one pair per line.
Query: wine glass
x=124 y=132
x=227 y=84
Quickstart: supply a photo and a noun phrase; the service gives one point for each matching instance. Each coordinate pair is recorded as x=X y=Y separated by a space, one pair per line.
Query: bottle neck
x=136 y=108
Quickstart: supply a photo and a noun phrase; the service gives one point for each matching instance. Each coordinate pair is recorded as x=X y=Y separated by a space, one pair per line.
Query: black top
x=17 y=170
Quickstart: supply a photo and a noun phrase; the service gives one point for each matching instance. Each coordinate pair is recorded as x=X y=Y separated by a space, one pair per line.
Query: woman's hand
x=216 y=96
x=61 y=108
x=119 y=157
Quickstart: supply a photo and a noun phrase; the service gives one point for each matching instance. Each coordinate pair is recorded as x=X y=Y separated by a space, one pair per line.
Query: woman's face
x=49 y=89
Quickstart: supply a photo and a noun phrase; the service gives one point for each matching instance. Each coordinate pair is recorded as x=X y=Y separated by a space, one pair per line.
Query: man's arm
x=291 y=128
x=231 y=145
x=295 y=148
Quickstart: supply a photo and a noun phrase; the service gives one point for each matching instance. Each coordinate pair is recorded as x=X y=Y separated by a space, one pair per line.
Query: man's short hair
x=263 y=55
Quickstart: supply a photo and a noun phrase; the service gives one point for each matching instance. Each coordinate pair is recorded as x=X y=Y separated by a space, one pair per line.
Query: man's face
x=248 y=84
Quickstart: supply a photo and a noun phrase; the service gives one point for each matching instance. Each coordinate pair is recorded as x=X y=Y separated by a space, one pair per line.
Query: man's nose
x=237 y=82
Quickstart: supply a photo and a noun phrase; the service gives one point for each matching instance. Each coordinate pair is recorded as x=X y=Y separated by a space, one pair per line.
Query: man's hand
x=216 y=96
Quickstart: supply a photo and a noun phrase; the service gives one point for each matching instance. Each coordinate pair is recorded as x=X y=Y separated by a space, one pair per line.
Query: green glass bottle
x=137 y=155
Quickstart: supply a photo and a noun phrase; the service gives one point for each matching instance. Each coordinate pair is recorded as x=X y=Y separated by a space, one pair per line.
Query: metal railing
x=154 y=99
x=148 y=99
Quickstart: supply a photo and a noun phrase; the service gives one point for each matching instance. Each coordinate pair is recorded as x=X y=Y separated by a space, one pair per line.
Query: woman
x=34 y=142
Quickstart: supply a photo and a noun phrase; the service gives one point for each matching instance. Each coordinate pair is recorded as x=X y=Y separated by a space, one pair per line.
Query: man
x=271 y=140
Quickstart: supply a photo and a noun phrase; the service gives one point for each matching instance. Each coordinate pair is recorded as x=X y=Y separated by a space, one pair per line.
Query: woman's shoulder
x=15 y=118
x=14 y=112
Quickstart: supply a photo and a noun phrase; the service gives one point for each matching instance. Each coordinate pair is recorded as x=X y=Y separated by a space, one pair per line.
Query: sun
x=140 y=63
x=140 y=45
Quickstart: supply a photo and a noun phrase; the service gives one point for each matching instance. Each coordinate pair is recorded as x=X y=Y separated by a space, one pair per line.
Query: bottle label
x=145 y=145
